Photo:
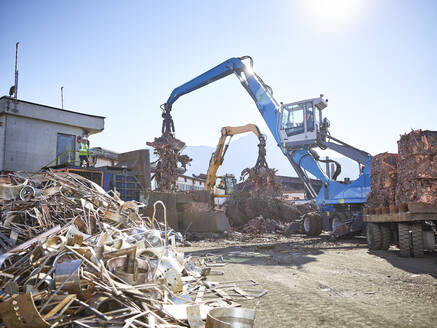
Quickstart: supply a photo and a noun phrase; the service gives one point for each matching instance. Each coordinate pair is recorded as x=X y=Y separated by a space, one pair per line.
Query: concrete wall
x=29 y=143
x=21 y=108
x=3 y=123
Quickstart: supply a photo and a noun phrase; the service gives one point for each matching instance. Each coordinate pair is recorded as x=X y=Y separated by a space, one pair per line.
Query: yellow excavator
x=228 y=182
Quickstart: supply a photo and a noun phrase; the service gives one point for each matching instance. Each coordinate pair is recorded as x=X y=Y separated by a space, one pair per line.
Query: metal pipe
x=16 y=70
x=62 y=97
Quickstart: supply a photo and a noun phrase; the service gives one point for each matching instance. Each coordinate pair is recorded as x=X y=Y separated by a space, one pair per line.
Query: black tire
x=312 y=223
x=417 y=236
x=373 y=232
x=385 y=236
x=404 y=239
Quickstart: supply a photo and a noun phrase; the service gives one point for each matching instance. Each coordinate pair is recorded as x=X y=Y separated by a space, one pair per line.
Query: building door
x=65 y=144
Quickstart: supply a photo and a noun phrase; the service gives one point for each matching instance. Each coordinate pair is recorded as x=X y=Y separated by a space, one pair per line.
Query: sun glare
x=333 y=13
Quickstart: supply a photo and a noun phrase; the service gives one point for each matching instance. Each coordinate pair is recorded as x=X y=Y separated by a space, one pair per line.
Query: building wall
x=28 y=132
x=30 y=143
x=185 y=183
x=3 y=122
x=188 y=183
x=293 y=195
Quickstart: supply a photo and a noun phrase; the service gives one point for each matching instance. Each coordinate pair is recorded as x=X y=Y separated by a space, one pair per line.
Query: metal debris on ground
x=76 y=256
x=260 y=225
x=241 y=207
x=167 y=148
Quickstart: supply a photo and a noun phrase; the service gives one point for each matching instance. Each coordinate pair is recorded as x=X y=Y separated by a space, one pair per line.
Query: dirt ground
x=312 y=282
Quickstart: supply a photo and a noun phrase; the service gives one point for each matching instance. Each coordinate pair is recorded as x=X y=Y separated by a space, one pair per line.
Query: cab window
x=292 y=120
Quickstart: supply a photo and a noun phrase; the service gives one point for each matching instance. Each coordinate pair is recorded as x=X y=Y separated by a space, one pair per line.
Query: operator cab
x=225 y=185
x=301 y=122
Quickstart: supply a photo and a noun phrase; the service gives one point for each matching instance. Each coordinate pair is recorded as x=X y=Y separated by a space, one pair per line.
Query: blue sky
x=374 y=60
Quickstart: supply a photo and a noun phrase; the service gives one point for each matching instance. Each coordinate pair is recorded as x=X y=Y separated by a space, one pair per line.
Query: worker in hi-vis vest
x=83 y=152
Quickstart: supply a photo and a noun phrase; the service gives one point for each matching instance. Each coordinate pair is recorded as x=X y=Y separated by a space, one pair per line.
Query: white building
x=34 y=135
x=186 y=183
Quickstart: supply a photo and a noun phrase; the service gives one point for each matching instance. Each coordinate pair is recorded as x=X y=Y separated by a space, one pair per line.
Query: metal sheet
x=20 y=312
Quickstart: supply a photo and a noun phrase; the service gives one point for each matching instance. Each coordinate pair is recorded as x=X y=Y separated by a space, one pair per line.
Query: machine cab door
x=231 y=183
x=300 y=122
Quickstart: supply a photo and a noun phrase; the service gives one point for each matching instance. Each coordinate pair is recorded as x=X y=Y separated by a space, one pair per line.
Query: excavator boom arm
x=261 y=93
x=218 y=156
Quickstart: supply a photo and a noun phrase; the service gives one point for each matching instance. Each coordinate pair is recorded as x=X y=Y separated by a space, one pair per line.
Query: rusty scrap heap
x=417 y=167
x=410 y=175
x=167 y=148
x=261 y=179
x=383 y=179
x=75 y=256
x=242 y=207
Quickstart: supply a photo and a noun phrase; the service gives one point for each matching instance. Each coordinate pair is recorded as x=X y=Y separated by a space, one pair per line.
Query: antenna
x=16 y=69
x=62 y=97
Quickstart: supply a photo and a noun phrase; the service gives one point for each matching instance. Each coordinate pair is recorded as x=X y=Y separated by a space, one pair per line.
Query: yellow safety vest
x=83 y=151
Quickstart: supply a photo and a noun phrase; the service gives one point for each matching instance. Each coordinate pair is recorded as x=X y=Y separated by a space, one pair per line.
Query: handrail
x=57 y=159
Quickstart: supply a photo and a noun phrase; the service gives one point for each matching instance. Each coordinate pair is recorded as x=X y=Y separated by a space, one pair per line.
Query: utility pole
x=62 y=97
x=16 y=69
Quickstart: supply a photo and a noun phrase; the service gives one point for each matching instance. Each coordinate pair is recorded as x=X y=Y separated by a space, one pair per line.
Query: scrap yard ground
x=312 y=282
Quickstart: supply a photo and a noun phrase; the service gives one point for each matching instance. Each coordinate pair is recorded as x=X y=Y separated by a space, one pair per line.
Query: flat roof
x=64 y=110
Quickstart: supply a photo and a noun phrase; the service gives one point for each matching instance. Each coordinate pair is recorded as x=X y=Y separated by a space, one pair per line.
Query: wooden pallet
x=401 y=213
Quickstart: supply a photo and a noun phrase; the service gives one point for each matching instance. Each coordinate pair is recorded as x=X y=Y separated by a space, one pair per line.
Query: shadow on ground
x=296 y=253
x=425 y=265
x=290 y=253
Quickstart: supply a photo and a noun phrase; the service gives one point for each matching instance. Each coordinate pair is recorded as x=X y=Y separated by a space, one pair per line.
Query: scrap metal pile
x=410 y=175
x=258 y=206
x=417 y=167
x=167 y=148
x=241 y=207
x=383 y=179
x=75 y=256
x=261 y=179
x=260 y=225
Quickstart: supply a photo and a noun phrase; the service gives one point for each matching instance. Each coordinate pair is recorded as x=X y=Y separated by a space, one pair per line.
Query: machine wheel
x=337 y=219
x=373 y=232
x=385 y=236
x=312 y=224
x=335 y=222
x=417 y=236
x=404 y=239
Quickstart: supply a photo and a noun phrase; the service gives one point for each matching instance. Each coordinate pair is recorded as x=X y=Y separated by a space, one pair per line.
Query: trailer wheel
x=312 y=224
x=417 y=236
x=404 y=239
x=385 y=236
x=373 y=233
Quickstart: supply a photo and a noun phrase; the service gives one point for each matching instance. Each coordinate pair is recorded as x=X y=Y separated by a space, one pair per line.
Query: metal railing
x=71 y=159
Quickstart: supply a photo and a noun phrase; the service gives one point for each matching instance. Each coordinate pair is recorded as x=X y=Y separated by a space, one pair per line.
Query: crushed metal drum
x=230 y=318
